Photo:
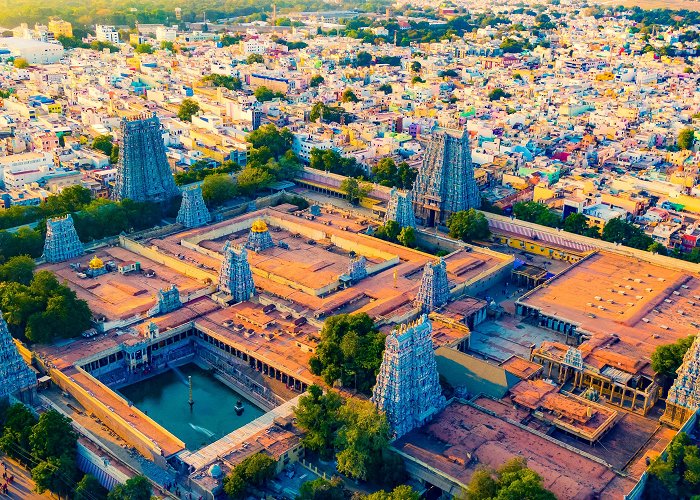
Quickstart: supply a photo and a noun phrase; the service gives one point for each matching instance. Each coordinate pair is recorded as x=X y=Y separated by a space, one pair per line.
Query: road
x=22 y=485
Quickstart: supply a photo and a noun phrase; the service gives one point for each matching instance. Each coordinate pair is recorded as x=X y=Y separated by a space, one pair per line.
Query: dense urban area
x=335 y=250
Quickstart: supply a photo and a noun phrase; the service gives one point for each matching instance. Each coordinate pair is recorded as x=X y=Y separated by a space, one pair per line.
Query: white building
x=34 y=51
x=18 y=170
x=107 y=33
x=165 y=34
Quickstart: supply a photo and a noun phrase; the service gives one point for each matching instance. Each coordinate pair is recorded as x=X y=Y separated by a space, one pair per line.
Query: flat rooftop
x=462 y=438
x=644 y=304
x=118 y=296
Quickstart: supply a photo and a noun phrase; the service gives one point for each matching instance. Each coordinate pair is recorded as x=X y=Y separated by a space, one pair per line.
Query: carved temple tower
x=193 y=212
x=400 y=209
x=684 y=395
x=259 y=238
x=408 y=386
x=143 y=172
x=62 y=241
x=434 y=290
x=445 y=182
x=18 y=380
x=235 y=277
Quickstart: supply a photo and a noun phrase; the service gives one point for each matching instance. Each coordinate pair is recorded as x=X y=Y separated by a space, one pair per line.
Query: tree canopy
x=677 y=474
x=217 y=189
x=531 y=211
x=468 y=225
x=389 y=174
x=318 y=414
x=666 y=358
x=355 y=190
x=136 y=488
x=264 y=94
x=686 y=138
x=252 y=472
x=188 y=108
x=512 y=480
x=350 y=350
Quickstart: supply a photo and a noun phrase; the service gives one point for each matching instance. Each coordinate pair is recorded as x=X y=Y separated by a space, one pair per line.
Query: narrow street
x=22 y=485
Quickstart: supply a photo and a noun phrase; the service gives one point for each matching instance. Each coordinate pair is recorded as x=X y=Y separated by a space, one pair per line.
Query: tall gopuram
x=408 y=385
x=445 y=182
x=400 y=209
x=259 y=238
x=434 y=290
x=235 y=276
x=143 y=172
x=62 y=241
x=18 y=380
x=193 y=212
x=684 y=395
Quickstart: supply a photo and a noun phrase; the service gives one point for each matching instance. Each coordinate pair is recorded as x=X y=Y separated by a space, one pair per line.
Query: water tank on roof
x=215 y=471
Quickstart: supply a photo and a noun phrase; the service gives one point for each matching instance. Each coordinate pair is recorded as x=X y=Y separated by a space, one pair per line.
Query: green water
x=165 y=399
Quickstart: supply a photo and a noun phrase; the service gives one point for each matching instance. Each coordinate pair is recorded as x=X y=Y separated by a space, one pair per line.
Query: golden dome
x=259 y=226
x=96 y=263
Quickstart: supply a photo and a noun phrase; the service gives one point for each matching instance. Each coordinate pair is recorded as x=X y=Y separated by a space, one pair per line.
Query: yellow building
x=59 y=27
x=542 y=194
x=55 y=107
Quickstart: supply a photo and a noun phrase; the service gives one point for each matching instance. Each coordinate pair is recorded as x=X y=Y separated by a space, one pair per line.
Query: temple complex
x=235 y=277
x=62 y=241
x=193 y=212
x=434 y=290
x=143 y=173
x=259 y=238
x=18 y=380
x=400 y=209
x=683 y=398
x=445 y=182
x=408 y=387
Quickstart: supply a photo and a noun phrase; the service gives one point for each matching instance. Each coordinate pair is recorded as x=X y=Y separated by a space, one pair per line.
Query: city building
x=143 y=173
x=445 y=182
x=106 y=33
x=59 y=27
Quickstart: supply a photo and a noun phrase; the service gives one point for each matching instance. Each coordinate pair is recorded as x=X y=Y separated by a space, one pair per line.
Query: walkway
x=22 y=485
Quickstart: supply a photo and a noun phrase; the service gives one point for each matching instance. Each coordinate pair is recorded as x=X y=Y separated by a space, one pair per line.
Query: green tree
x=188 y=108
x=658 y=248
x=52 y=436
x=255 y=58
x=318 y=415
x=322 y=489
x=686 y=138
x=576 y=223
x=538 y=213
x=56 y=474
x=386 y=88
x=103 y=143
x=350 y=350
x=217 y=189
x=254 y=471
x=17 y=428
x=253 y=179
x=407 y=237
x=416 y=67
x=363 y=59
x=316 y=80
x=89 y=488
x=19 y=269
x=143 y=48
x=349 y=96
x=355 y=190
x=264 y=94
x=468 y=225
x=497 y=94
x=136 y=488
x=389 y=231
x=166 y=45
x=278 y=141
x=20 y=63
x=401 y=492
x=114 y=154
x=512 y=480
x=677 y=473
x=362 y=439
x=620 y=231
x=667 y=358
x=229 y=82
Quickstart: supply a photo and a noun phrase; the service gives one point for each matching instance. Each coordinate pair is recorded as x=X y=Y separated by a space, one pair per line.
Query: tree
x=468 y=225
x=416 y=67
x=56 y=474
x=253 y=471
x=686 y=138
x=264 y=94
x=389 y=231
x=166 y=45
x=386 y=88
x=103 y=143
x=363 y=59
x=52 y=436
x=407 y=237
x=218 y=188
x=388 y=174
x=620 y=231
x=188 y=108
x=17 y=427
x=401 y=492
x=318 y=415
x=252 y=179
x=538 y=213
x=255 y=58
x=20 y=63
x=350 y=350
x=322 y=489
x=362 y=439
x=354 y=190
x=658 y=248
x=512 y=480
x=677 y=473
x=278 y=141
x=349 y=96
x=576 y=223
x=114 y=154
x=89 y=488
x=136 y=488
x=19 y=269
x=316 y=80
x=229 y=82
x=143 y=48
x=497 y=94
x=666 y=358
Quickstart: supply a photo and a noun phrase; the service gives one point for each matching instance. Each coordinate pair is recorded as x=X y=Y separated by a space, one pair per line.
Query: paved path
x=22 y=485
